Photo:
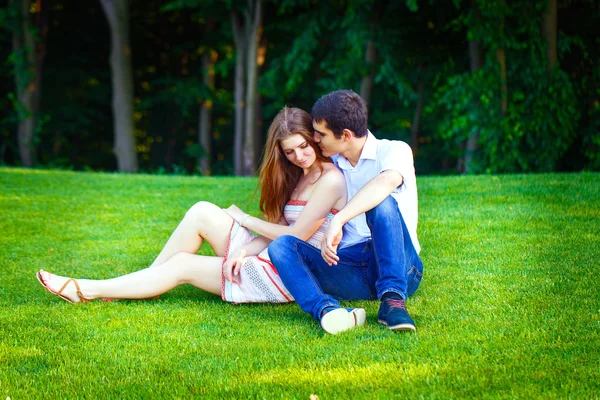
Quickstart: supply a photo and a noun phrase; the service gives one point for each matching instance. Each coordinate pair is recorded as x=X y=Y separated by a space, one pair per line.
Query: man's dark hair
x=342 y=109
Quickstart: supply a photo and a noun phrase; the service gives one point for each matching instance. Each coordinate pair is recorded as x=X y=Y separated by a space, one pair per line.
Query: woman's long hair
x=278 y=177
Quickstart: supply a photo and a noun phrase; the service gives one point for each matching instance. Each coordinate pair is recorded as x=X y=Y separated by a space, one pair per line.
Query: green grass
x=509 y=306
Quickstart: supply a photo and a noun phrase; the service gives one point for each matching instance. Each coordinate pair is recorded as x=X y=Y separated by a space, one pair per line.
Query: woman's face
x=298 y=151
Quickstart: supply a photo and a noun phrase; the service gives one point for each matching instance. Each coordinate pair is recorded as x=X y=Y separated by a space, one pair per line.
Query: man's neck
x=352 y=154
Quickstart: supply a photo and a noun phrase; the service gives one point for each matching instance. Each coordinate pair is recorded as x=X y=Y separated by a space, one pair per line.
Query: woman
x=301 y=189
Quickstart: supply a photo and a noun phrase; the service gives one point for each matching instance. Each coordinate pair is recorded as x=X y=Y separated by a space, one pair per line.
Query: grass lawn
x=509 y=306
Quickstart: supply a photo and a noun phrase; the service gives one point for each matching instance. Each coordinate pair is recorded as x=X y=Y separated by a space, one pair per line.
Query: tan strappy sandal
x=82 y=299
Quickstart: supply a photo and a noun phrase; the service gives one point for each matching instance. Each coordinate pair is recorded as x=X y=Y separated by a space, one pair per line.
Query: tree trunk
x=117 y=14
x=418 y=112
x=501 y=57
x=471 y=147
x=205 y=121
x=475 y=56
x=367 y=82
x=240 y=46
x=549 y=29
x=254 y=26
x=259 y=141
x=41 y=23
x=30 y=57
x=366 y=85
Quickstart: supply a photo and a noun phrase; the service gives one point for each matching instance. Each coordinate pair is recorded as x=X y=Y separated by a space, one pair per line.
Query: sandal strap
x=67 y=283
x=78 y=290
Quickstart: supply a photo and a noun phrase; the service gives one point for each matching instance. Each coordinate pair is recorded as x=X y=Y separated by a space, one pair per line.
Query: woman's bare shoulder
x=331 y=170
x=332 y=175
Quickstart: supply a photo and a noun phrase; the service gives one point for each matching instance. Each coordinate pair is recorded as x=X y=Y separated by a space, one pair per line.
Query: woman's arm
x=255 y=246
x=327 y=192
x=236 y=258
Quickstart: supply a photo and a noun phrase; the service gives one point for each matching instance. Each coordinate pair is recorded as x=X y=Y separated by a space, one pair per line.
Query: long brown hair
x=278 y=176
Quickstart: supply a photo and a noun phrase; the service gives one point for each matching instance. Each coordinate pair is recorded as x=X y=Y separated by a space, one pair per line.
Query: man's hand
x=330 y=242
x=233 y=265
x=235 y=213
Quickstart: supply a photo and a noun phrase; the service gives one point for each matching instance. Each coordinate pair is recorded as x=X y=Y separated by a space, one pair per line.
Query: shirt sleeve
x=397 y=156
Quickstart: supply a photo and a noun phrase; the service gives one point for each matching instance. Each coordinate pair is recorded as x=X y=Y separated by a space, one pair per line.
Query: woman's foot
x=67 y=289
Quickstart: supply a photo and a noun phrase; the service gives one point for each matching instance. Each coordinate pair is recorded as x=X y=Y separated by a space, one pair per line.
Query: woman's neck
x=315 y=166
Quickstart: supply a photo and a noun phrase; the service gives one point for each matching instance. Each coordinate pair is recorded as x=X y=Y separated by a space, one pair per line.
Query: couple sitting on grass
x=341 y=220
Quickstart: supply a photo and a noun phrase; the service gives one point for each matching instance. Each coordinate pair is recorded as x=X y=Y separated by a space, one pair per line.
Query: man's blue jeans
x=385 y=263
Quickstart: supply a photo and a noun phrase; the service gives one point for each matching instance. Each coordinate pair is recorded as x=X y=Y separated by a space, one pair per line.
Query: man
x=370 y=248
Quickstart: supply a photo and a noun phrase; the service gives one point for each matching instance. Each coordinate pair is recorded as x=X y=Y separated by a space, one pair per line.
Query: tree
x=205 y=121
x=254 y=30
x=367 y=82
x=501 y=56
x=476 y=58
x=239 y=89
x=117 y=14
x=549 y=30
x=509 y=101
x=29 y=34
x=247 y=27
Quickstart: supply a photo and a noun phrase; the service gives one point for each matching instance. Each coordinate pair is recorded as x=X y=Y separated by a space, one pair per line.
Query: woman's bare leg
x=203 y=221
x=204 y=272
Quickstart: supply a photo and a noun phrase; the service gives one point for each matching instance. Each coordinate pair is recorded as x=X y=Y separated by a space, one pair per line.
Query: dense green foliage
x=423 y=90
x=508 y=307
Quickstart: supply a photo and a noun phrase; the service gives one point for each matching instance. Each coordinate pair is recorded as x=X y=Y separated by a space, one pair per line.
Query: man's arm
x=370 y=195
x=367 y=198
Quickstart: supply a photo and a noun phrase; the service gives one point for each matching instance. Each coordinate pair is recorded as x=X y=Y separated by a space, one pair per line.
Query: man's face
x=326 y=140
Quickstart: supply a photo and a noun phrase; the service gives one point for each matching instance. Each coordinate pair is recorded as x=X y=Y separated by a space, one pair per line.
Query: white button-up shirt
x=378 y=156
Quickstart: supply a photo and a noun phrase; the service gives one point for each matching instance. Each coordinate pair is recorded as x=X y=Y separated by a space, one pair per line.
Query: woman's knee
x=201 y=210
x=178 y=259
x=178 y=267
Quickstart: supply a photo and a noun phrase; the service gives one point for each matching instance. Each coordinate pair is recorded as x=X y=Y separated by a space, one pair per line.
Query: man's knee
x=387 y=208
x=280 y=247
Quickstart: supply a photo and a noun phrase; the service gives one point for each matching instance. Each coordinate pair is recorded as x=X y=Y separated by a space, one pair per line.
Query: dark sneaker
x=340 y=319
x=392 y=313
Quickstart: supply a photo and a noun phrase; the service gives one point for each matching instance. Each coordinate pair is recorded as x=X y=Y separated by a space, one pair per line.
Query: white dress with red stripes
x=259 y=280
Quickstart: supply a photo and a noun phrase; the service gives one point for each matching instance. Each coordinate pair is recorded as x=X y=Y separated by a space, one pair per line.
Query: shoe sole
x=360 y=316
x=399 y=327
x=340 y=320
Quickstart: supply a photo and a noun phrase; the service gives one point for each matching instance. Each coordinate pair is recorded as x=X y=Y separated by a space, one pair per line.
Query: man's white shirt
x=380 y=155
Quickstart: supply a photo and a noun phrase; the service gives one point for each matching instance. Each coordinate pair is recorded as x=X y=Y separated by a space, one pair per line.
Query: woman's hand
x=234 y=264
x=331 y=239
x=235 y=213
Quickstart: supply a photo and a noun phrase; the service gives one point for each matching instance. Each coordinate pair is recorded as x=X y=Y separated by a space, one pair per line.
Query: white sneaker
x=340 y=320
x=360 y=316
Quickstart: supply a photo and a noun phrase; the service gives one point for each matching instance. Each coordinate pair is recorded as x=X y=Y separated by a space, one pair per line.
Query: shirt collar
x=369 y=152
